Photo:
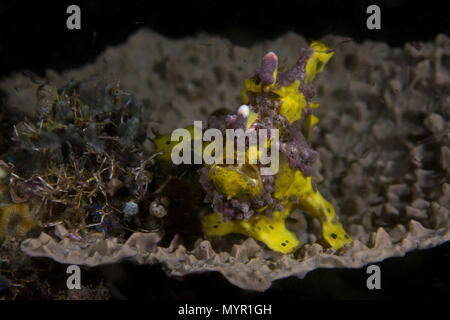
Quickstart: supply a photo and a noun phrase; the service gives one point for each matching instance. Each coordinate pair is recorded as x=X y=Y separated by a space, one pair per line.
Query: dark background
x=33 y=36
x=421 y=274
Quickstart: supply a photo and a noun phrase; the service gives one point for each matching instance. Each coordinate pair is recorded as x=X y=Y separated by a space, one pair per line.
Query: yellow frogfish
x=275 y=124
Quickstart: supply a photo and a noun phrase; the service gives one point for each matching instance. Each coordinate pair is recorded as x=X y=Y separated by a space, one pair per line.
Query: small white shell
x=244 y=110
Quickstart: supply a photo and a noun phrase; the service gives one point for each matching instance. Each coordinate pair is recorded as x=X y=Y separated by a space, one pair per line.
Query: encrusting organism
x=16 y=221
x=249 y=203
